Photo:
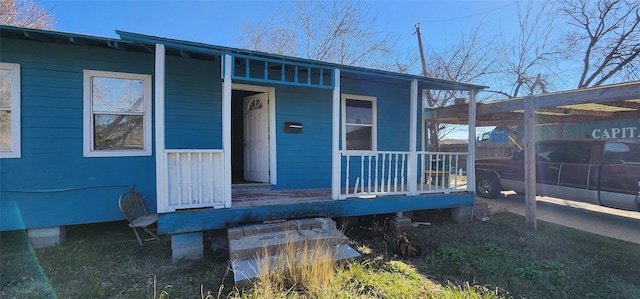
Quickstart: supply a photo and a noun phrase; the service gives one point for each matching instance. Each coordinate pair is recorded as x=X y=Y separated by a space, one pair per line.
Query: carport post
x=530 y=161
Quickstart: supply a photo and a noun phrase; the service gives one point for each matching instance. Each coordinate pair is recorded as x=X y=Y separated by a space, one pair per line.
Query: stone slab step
x=251 y=244
x=245 y=271
x=256 y=245
x=252 y=240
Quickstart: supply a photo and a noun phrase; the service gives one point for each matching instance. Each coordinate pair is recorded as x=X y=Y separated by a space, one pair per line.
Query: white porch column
x=335 y=138
x=412 y=164
x=226 y=132
x=471 y=165
x=161 y=182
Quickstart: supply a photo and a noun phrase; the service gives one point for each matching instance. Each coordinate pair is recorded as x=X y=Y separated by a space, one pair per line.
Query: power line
x=472 y=15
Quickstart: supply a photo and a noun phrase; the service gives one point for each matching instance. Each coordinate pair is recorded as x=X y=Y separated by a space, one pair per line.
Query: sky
x=219 y=22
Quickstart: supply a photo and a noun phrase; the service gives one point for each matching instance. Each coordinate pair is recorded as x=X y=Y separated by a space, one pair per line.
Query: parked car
x=597 y=171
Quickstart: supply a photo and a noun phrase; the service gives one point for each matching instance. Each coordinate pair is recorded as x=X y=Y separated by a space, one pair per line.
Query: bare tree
x=529 y=61
x=332 y=31
x=607 y=35
x=25 y=13
x=473 y=59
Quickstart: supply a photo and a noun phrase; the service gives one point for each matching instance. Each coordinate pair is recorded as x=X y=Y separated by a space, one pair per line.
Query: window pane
x=5 y=130
x=359 y=112
x=5 y=89
x=118 y=132
x=621 y=152
x=117 y=95
x=358 y=138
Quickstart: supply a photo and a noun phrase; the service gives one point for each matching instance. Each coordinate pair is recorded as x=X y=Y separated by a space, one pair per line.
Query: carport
x=616 y=101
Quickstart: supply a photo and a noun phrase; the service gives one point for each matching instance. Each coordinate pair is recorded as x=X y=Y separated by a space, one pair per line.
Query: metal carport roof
x=616 y=101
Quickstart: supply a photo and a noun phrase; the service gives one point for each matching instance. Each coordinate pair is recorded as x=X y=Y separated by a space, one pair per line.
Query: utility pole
x=424 y=64
x=432 y=126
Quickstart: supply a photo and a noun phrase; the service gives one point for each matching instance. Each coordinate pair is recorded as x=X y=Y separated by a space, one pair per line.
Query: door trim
x=273 y=174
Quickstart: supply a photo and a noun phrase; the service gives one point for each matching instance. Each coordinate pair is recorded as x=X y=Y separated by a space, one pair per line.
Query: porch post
x=226 y=132
x=412 y=165
x=161 y=183
x=471 y=165
x=530 y=178
x=335 y=138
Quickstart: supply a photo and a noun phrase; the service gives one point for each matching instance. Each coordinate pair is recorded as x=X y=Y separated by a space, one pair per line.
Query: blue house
x=84 y=119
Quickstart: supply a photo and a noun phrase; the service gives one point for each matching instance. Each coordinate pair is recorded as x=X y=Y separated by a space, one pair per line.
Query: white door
x=256 y=137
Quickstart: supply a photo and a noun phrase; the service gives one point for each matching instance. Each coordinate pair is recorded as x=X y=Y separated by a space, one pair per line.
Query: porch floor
x=255 y=196
x=248 y=195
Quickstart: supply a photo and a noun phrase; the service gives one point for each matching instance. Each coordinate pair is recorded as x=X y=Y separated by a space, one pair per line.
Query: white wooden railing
x=384 y=173
x=372 y=173
x=442 y=172
x=194 y=179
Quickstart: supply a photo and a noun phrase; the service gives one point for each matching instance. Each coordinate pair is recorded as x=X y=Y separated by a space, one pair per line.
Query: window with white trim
x=359 y=122
x=9 y=110
x=117 y=114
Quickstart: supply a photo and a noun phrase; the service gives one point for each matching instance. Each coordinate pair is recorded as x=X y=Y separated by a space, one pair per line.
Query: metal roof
x=615 y=101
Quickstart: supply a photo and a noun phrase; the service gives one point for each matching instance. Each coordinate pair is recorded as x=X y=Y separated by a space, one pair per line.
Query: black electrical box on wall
x=292 y=127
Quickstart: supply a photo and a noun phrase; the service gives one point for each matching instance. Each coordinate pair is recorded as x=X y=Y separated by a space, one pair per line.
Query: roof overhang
x=57 y=37
x=616 y=101
x=188 y=48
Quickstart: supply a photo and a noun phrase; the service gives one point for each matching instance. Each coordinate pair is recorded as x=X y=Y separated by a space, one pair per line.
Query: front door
x=256 y=138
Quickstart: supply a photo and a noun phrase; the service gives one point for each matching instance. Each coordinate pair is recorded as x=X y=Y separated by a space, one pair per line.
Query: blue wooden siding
x=304 y=160
x=193 y=104
x=393 y=107
x=53 y=184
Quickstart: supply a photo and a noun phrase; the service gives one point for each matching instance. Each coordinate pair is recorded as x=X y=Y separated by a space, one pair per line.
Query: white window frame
x=374 y=119
x=15 y=151
x=88 y=119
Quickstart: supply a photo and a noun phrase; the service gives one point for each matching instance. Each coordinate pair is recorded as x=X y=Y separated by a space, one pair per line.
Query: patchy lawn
x=495 y=258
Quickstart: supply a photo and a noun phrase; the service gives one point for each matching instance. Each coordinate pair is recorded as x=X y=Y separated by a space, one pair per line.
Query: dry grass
x=302 y=268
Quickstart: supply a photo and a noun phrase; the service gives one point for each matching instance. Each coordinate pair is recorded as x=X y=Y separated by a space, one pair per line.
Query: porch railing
x=384 y=173
x=442 y=172
x=194 y=179
x=373 y=173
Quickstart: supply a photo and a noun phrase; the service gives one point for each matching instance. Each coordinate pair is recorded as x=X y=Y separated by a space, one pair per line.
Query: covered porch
x=194 y=187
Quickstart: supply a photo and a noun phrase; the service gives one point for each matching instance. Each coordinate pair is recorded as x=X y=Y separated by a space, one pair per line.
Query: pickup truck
x=597 y=171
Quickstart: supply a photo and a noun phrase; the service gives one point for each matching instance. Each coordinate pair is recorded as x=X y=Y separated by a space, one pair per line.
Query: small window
x=359 y=122
x=254 y=105
x=9 y=110
x=618 y=152
x=117 y=120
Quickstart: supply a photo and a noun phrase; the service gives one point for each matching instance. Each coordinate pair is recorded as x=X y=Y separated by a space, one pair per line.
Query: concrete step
x=252 y=245
x=244 y=271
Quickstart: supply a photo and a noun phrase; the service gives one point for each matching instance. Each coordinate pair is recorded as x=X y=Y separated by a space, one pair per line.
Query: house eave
x=58 y=37
x=184 y=47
